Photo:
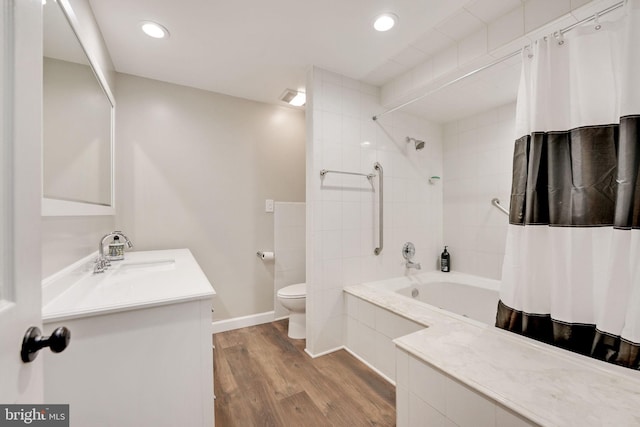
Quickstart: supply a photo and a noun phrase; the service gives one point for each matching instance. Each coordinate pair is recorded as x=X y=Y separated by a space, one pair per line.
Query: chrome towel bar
x=323 y=172
x=378 y=167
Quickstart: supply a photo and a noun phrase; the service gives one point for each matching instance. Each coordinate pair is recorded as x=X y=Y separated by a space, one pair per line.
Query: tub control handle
x=33 y=342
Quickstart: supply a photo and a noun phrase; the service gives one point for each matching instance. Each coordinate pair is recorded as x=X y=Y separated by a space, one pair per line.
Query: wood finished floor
x=263 y=378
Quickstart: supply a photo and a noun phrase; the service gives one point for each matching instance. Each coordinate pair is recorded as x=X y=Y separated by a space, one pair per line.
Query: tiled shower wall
x=477 y=155
x=342 y=210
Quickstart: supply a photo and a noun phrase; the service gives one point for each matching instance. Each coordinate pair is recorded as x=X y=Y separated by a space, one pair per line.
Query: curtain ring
x=527 y=49
x=559 y=37
x=596 y=20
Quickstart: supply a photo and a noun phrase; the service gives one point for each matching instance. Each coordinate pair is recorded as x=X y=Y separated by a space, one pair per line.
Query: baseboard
x=324 y=353
x=373 y=368
x=241 y=322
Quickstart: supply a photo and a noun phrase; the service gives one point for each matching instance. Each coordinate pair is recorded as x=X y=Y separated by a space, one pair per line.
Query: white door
x=20 y=194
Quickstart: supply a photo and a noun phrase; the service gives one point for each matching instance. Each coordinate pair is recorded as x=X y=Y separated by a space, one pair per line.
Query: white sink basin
x=126 y=267
x=142 y=279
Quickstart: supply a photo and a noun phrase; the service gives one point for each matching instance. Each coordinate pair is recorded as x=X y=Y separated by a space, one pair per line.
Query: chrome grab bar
x=496 y=202
x=378 y=167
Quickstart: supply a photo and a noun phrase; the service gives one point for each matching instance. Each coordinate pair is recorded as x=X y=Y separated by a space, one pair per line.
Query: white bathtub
x=455 y=351
x=472 y=297
x=382 y=311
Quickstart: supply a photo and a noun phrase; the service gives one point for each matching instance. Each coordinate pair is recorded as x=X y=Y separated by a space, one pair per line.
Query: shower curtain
x=571 y=272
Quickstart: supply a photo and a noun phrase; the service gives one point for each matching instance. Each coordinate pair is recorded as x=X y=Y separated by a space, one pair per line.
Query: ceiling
x=256 y=49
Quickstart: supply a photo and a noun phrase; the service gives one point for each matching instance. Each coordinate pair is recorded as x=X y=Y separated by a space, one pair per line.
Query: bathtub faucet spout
x=411 y=264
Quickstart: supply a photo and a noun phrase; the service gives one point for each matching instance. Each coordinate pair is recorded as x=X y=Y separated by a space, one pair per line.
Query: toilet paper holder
x=265 y=256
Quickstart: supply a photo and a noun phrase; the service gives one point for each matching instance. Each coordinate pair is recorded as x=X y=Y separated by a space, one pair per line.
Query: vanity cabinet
x=146 y=364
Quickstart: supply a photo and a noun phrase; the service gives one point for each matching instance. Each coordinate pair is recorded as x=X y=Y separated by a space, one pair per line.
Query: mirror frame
x=56 y=207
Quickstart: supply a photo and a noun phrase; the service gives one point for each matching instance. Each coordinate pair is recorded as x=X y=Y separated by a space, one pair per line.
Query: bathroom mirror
x=78 y=121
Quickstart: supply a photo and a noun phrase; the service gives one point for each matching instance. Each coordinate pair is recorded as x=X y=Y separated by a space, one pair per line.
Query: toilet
x=294 y=299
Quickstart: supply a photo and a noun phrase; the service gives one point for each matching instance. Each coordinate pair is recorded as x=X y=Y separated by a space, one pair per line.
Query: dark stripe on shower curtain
x=576 y=337
x=584 y=177
x=568 y=178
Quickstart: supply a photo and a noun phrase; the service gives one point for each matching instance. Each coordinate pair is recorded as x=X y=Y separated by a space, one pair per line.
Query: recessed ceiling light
x=385 y=21
x=294 y=97
x=153 y=29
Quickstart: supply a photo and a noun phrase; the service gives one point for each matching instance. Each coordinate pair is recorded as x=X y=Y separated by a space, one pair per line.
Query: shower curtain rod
x=498 y=61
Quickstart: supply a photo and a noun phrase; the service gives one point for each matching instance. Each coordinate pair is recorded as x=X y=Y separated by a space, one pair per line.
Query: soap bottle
x=445 y=261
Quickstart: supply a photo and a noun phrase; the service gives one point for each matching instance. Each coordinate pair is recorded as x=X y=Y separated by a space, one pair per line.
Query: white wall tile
x=332 y=215
x=331 y=244
x=351 y=305
x=433 y=41
x=423 y=414
x=351 y=128
x=445 y=61
x=427 y=384
x=366 y=313
x=506 y=418
x=402 y=406
x=402 y=368
x=478 y=170
x=422 y=74
x=331 y=127
x=352 y=271
x=472 y=47
x=506 y=28
x=385 y=356
x=328 y=333
x=392 y=325
x=329 y=77
x=410 y=56
x=342 y=209
x=332 y=97
x=332 y=302
x=467 y=408
x=490 y=10
x=351 y=99
x=460 y=25
x=539 y=12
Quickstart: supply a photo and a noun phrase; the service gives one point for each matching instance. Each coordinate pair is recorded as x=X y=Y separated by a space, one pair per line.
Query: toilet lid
x=298 y=290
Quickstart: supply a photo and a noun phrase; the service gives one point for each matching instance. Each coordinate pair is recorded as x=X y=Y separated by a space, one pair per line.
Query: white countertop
x=547 y=385
x=143 y=279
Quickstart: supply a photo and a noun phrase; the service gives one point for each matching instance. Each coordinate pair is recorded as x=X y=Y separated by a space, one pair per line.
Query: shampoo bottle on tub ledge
x=445 y=261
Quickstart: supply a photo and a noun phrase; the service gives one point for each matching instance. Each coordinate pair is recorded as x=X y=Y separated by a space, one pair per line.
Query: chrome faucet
x=408 y=251
x=102 y=263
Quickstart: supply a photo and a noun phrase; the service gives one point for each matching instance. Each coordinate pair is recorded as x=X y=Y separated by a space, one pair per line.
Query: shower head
x=419 y=143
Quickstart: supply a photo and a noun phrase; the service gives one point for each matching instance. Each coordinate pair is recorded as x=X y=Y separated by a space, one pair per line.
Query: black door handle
x=33 y=342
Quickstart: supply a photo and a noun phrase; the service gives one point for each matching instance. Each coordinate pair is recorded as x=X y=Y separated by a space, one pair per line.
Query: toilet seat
x=299 y=290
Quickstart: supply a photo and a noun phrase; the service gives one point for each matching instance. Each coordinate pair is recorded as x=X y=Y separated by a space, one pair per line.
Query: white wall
x=289 y=247
x=342 y=211
x=478 y=158
x=68 y=239
x=193 y=171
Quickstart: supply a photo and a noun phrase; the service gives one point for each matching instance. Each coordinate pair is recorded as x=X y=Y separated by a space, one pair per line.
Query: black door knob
x=33 y=342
